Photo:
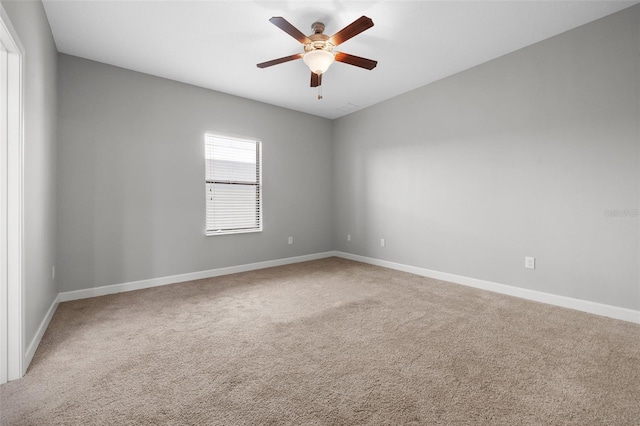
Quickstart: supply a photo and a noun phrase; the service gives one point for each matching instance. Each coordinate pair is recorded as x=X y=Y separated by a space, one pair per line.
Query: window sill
x=231 y=231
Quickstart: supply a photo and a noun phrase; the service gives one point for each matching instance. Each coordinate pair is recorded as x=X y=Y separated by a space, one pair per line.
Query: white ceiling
x=217 y=44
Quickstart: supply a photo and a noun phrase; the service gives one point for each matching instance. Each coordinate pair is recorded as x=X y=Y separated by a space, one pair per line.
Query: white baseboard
x=624 y=314
x=173 y=279
x=35 y=342
x=616 y=312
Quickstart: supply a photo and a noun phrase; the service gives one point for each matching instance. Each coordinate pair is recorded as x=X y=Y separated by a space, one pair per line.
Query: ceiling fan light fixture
x=318 y=60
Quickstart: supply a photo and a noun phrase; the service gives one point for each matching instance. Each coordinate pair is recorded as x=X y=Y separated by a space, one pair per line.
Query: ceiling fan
x=318 y=48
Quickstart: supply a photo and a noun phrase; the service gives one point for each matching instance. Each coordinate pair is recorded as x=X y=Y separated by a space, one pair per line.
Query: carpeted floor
x=328 y=342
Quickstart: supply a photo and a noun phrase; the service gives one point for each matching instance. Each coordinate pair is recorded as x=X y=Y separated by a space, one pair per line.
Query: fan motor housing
x=319 y=41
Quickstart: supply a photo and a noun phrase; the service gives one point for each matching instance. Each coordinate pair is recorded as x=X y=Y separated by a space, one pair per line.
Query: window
x=233 y=173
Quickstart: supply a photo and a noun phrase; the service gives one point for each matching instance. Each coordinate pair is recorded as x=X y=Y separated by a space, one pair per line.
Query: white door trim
x=11 y=204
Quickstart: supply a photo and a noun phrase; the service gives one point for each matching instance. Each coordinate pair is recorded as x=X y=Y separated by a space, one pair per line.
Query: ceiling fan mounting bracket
x=317 y=27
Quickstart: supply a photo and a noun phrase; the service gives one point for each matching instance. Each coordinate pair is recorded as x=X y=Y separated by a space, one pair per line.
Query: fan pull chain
x=319 y=92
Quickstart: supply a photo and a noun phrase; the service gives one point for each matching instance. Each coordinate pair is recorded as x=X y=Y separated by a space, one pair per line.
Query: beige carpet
x=328 y=342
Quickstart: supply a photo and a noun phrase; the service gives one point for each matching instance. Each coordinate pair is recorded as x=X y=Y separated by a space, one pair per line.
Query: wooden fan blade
x=356 y=60
x=353 y=29
x=279 y=60
x=316 y=79
x=286 y=26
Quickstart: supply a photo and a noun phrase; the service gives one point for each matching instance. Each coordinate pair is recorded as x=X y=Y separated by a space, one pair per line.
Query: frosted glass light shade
x=318 y=61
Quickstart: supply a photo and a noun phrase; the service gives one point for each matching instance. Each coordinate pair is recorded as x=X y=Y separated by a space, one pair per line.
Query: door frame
x=12 y=312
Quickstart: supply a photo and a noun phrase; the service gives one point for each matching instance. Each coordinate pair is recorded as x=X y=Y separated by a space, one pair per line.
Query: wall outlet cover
x=530 y=262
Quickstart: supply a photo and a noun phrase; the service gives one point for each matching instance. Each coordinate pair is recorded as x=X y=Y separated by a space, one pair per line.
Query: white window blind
x=233 y=176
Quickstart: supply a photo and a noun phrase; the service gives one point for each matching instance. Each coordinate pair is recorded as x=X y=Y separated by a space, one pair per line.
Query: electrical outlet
x=382 y=242
x=530 y=262
x=53 y=272
x=290 y=241
x=348 y=237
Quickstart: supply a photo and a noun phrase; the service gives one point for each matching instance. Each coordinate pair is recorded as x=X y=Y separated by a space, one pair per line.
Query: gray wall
x=131 y=177
x=40 y=58
x=520 y=156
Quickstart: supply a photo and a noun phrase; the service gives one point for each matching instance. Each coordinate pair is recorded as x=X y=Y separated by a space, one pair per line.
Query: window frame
x=258 y=184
